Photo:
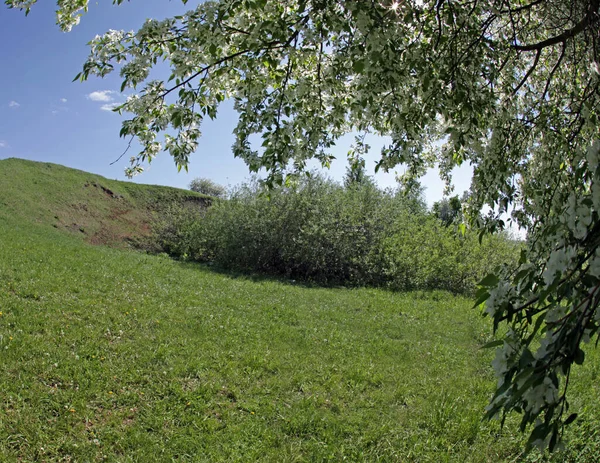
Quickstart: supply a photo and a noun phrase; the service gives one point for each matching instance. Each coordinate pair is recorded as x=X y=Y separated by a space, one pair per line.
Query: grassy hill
x=90 y=207
x=114 y=355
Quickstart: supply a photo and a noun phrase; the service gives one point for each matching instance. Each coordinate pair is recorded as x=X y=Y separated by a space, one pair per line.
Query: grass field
x=114 y=355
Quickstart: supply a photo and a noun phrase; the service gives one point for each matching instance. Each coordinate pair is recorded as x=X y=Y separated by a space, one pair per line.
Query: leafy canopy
x=509 y=86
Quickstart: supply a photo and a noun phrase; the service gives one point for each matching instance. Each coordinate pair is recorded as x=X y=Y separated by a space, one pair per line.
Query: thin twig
x=124 y=152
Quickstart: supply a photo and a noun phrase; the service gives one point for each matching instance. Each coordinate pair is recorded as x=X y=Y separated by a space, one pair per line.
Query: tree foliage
x=509 y=86
x=208 y=187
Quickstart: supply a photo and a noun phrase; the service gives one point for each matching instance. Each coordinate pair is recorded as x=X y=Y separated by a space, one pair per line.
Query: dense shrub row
x=328 y=233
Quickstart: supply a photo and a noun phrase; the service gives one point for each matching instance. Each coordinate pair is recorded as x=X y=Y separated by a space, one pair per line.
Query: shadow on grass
x=261 y=277
x=254 y=276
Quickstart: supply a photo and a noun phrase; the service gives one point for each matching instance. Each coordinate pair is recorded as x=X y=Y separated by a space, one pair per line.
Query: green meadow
x=111 y=354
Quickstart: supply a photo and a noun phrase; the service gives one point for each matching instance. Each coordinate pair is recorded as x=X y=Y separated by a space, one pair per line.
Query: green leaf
x=358 y=66
x=579 y=356
x=481 y=299
x=481 y=235
x=496 y=343
x=489 y=281
x=553 y=439
x=480 y=292
x=539 y=432
x=526 y=359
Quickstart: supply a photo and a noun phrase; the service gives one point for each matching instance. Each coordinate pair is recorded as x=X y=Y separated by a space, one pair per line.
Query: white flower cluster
x=181 y=146
x=498 y=296
x=593 y=155
x=68 y=13
x=506 y=355
x=151 y=147
x=104 y=48
x=500 y=362
x=541 y=395
x=559 y=261
x=23 y=5
x=149 y=102
x=577 y=216
x=136 y=71
x=547 y=343
x=134 y=170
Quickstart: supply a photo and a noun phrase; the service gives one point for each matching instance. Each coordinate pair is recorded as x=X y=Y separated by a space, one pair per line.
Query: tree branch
x=531 y=69
x=522 y=8
x=590 y=18
x=553 y=71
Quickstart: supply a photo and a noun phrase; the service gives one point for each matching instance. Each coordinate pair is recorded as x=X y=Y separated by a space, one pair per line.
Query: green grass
x=113 y=355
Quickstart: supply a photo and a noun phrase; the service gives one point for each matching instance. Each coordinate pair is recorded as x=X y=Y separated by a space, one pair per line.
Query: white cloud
x=109 y=106
x=13 y=104
x=63 y=100
x=101 y=95
x=3 y=144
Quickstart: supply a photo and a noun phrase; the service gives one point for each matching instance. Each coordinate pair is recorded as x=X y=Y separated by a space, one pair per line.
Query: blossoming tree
x=508 y=86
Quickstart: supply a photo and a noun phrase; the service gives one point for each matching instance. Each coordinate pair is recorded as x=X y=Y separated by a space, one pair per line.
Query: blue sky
x=44 y=116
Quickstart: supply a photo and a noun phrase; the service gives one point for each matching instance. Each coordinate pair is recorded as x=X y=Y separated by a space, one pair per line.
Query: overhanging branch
x=590 y=18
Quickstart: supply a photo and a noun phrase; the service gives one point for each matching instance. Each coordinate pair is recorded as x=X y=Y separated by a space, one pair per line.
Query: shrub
x=177 y=229
x=428 y=254
x=321 y=231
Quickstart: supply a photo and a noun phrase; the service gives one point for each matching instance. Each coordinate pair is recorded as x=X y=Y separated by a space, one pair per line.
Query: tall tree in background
x=208 y=187
x=509 y=86
x=356 y=174
x=448 y=210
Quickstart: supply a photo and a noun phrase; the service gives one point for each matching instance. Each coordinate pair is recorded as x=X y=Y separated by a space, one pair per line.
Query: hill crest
x=89 y=206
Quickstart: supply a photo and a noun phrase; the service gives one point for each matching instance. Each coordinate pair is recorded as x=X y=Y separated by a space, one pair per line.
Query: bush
x=427 y=254
x=321 y=231
x=317 y=231
x=177 y=229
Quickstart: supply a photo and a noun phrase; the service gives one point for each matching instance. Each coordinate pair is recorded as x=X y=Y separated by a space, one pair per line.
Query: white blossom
x=498 y=296
x=558 y=263
x=541 y=395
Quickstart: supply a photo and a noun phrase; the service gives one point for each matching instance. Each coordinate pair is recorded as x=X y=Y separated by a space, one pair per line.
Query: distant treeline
x=353 y=234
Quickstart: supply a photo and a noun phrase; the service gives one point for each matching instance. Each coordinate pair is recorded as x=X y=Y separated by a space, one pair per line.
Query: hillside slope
x=94 y=208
